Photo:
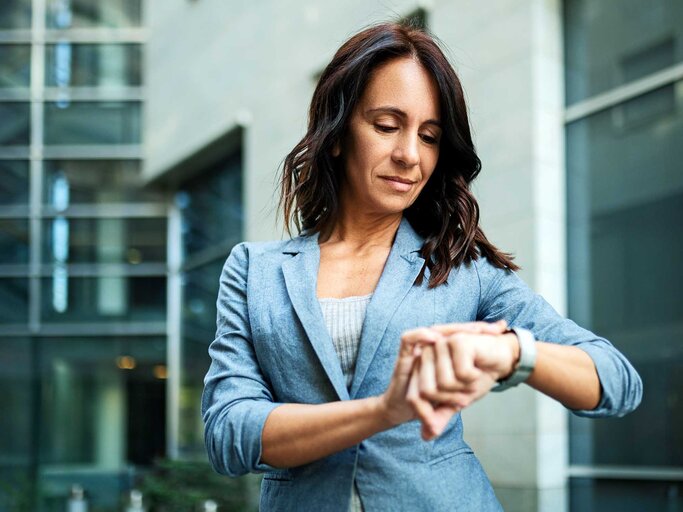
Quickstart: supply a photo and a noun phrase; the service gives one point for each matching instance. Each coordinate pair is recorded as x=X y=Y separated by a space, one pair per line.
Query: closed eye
x=429 y=139
x=385 y=128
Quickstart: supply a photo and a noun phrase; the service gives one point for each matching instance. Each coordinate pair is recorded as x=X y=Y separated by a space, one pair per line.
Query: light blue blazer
x=272 y=347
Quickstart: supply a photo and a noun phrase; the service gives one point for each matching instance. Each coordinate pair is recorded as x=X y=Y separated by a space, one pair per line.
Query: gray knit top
x=344 y=319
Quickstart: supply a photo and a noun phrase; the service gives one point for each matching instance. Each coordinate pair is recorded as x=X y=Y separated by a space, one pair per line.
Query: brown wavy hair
x=445 y=213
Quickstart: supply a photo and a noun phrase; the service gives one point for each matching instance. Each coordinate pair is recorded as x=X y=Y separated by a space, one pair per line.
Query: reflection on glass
x=13 y=300
x=15 y=14
x=199 y=292
x=13 y=241
x=625 y=206
x=107 y=65
x=16 y=441
x=216 y=195
x=14 y=128
x=106 y=240
x=634 y=495
x=15 y=65
x=95 y=413
x=13 y=182
x=634 y=39
x=112 y=122
x=212 y=220
x=93 y=181
x=93 y=13
x=105 y=298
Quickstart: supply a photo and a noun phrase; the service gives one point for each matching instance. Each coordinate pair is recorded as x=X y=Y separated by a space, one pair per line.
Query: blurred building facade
x=110 y=261
x=83 y=272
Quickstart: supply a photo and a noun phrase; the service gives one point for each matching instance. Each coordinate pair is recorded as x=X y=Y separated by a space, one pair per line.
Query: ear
x=336 y=150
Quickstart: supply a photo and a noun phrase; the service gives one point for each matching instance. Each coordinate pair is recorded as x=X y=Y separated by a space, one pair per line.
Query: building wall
x=249 y=65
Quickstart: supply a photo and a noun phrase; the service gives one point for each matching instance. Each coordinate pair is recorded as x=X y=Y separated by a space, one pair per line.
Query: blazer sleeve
x=237 y=398
x=505 y=296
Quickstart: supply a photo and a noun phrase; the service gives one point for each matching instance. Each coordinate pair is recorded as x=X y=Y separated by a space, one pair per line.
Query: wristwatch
x=526 y=363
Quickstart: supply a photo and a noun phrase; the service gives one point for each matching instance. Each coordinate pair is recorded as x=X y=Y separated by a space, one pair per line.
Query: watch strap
x=526 y=363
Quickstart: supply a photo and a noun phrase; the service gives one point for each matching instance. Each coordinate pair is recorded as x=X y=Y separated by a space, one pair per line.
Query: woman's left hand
x=457 y=370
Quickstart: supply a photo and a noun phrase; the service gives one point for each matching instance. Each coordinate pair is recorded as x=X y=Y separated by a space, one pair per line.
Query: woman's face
x=391 y=145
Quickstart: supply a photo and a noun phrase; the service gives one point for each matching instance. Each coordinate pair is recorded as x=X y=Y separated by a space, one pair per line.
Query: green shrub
x=182 y=486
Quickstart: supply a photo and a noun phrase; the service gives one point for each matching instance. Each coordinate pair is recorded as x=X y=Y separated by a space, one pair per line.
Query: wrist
x=380 y=411
x=511 y=343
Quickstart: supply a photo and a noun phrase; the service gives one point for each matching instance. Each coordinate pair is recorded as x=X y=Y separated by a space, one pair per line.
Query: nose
x=406 y=153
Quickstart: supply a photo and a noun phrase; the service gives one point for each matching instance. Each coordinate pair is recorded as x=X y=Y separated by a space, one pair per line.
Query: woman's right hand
x=394 y=404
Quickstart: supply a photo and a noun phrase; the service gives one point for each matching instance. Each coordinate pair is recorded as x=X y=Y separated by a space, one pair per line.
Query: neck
x=359 y=231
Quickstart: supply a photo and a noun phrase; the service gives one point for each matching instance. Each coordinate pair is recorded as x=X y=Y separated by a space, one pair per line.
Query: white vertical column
x=36 y=159
x=550 y=266
x=173 y=323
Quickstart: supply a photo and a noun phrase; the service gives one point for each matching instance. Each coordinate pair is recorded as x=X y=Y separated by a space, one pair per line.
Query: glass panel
x=211 y=206
x=102 y=299
x=15 y=65
x=200 y=289
x=93 y=181
x=112 y=122
x=588 y=495
x=17 y=442
x=13 y=241
x=130 y=241
x=15 y=401
x=93 y=13
x=612 y=42
x=13 y=182
x=15 y=14
x=625 y=205
x=87 y=399
x=103 y=409
x=107 y=65
x=13 y=300
x=14 y=128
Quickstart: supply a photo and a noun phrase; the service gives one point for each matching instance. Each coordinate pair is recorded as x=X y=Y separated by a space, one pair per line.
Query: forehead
x=403 y=83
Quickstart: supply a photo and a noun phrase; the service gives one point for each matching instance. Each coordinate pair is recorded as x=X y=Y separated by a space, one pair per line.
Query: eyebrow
x=400 y=113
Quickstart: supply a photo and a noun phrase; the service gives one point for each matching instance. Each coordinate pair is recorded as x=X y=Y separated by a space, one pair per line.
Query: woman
x=390 y=306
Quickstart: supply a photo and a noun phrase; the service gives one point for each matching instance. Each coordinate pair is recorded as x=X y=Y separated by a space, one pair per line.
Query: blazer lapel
x=400 y=271
x=301 y=277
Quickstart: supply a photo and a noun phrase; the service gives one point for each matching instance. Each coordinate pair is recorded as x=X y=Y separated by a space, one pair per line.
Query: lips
x=398 y=179
x=398 y=184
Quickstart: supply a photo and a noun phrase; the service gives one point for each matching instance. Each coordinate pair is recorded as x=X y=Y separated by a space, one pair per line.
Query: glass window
x=15 y=402
x=625 y=205
x=613 y=42
x=625 y=496
x=131 y=241
x=13 y=300
x=93 y=13
x=211 y=209
x=14 y=128
x=112 y=122
x=106 y=298
x=15 y=14
x=15 y=65
x=14 y=241
x=93 y=181
x=13 y=182
x=106 y=65
x=103 y=401
x=211 y=206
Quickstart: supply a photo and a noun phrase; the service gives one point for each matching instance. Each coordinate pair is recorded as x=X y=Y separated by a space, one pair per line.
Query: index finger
x=416 y=337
